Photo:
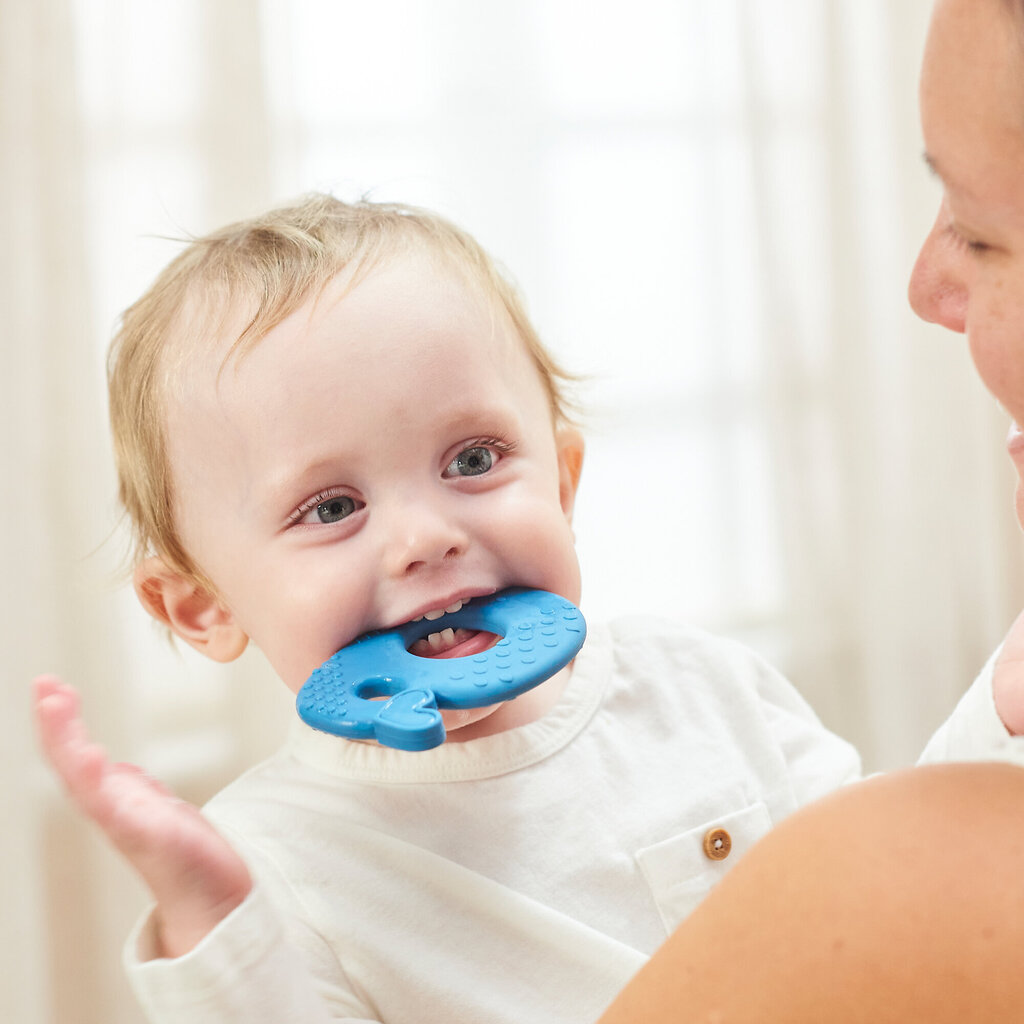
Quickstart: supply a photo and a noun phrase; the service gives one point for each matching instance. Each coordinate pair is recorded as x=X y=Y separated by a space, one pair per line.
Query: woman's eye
x=471 y=462
x=332 y=510
x=965 y=243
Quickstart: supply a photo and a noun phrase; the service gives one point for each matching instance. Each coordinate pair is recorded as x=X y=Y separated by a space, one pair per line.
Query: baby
x=335 y=419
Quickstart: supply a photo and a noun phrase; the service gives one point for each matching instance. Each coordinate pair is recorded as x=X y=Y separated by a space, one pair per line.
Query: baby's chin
x=459 y=719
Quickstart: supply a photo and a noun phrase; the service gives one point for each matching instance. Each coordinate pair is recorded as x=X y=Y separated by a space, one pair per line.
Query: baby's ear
x=189 y=609
x=570 y=464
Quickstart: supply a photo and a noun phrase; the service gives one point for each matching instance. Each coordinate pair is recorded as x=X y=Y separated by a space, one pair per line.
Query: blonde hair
x=266 y=267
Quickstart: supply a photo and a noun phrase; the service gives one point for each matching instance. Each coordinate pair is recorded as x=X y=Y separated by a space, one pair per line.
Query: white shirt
x=522 y=877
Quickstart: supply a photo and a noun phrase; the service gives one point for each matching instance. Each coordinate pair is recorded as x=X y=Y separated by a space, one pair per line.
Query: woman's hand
x=195 y=877
x=1008 y=679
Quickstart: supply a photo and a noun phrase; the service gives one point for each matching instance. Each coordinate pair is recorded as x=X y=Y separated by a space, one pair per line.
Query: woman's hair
x=247 y=278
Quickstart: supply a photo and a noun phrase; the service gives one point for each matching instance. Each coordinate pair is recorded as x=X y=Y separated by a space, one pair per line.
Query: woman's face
x=969 y=275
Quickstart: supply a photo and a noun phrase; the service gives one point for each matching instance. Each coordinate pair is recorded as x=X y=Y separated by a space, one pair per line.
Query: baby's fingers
x=78 y=761
x=57 y=707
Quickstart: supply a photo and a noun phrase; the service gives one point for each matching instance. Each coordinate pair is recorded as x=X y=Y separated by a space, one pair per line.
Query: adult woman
x=902 y=898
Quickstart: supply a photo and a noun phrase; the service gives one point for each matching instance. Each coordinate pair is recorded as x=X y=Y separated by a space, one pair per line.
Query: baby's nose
x=424 y=539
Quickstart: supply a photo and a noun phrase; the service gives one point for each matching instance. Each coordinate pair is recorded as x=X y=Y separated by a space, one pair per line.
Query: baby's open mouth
x=449 y=642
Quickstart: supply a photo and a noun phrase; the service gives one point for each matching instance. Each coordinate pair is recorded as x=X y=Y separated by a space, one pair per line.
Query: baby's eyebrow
x=284 y=486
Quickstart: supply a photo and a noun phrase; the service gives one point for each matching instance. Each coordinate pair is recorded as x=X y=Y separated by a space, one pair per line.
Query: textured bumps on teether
x=540 y=633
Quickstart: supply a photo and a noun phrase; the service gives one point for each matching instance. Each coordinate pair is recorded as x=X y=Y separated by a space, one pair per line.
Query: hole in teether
x=454 y=643
x=377 y=689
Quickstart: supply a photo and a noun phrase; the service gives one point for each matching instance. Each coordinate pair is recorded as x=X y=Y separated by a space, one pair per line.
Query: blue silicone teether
x=541 y=632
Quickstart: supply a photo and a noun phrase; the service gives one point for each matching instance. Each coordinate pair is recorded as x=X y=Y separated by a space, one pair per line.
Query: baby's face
x=377 y=456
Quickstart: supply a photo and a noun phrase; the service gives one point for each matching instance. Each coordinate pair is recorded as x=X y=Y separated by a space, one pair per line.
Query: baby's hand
x=195 y=877
x=1008 y=679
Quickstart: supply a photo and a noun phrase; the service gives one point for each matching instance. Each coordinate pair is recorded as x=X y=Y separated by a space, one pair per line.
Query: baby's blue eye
x=471 y=462
x=334 y=509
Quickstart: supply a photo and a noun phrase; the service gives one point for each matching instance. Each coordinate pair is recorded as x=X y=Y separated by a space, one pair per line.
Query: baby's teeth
x=443 y=639
x=437 y=613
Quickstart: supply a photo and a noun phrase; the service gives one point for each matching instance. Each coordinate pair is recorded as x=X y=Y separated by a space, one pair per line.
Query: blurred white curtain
x=53 y=445
x=712 y=209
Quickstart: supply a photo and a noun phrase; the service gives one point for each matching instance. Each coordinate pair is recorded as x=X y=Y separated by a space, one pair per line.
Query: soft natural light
x=711 y=209
x=674 y=195
x=629 y=220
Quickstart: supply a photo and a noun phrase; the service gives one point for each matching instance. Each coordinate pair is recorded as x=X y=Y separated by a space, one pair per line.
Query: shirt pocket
x=682 y=870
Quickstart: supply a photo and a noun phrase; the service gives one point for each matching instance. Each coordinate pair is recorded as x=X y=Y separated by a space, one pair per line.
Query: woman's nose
x=938 y=292
x=420 y=538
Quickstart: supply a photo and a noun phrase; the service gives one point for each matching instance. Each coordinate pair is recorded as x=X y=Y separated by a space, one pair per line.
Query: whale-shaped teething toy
x=541 y=632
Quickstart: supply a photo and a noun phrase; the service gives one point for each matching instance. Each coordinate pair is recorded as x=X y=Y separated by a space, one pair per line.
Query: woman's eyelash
x=962 y=242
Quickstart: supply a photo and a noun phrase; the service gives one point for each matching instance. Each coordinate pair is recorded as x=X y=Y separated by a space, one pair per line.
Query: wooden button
x=717 y=844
